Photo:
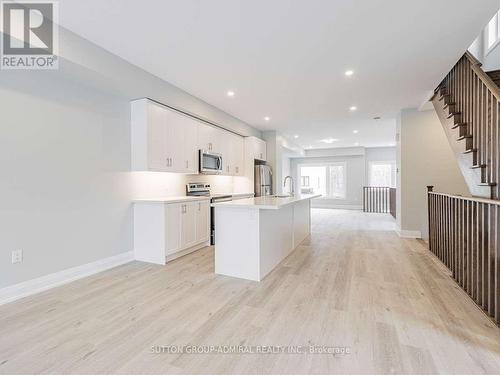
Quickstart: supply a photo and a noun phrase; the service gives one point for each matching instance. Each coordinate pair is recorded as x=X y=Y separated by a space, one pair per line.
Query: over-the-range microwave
x=210 y=162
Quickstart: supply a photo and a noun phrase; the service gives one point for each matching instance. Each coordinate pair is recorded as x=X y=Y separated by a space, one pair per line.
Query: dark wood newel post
x=429 y=190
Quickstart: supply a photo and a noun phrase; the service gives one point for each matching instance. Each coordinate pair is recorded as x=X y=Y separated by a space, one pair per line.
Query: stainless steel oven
x=210 y=162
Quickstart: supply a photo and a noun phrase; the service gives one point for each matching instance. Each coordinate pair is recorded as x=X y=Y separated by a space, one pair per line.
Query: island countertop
x=266 y=202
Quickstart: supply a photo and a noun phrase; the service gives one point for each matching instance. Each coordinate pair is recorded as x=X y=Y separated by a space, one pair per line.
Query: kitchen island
x=254 y=235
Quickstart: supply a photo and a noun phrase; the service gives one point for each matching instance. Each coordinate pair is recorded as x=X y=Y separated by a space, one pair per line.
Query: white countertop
x=265 y=203
x=181 y=199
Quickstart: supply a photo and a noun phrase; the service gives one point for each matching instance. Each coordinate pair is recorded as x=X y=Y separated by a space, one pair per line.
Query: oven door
x=210 y=162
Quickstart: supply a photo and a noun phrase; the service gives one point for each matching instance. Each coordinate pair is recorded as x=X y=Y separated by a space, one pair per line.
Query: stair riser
x=455 y=118
x=463 y=130
x=451 y=108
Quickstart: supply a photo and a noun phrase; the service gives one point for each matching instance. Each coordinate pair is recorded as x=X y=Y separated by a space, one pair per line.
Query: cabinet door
x=190 y=146
x=157 y=136
x=182 y=142
x=202 y=221
x=225 y=142
x=188 y=224
x=238 y=155
x=174 y=140
x=261 y=150
x=173 y=228
x=207 y=137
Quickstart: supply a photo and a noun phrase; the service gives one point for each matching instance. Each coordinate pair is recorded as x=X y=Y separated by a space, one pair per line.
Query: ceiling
x=286 y=59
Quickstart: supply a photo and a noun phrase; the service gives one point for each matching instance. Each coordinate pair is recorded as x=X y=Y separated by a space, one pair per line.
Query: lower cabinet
x=163 y=231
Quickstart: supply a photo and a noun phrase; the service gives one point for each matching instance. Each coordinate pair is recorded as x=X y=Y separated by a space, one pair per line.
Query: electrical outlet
x=17 y=256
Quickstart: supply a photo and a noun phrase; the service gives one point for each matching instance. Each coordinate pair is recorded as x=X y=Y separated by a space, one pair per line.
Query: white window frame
x=327 y=177
x=393 y=170
x=486 y=38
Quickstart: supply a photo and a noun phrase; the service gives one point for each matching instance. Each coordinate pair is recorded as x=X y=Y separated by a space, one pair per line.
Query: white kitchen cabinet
x=163 y=139
x=202 y=221
x=233 y=155
x=181 y=142
x=238 y=155
x=208 y=138
x=165 y=230
x=256 y=148
x=188 y=224
x=172 y=228
x=166 y=140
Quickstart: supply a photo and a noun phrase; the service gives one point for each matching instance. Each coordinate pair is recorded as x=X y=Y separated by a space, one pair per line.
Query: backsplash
x=163 y=184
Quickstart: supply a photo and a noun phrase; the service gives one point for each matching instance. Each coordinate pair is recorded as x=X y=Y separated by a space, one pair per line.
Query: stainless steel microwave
x=210 y=162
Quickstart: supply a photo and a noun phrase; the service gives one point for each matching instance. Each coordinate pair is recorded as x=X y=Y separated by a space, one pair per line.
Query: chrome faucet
x=292 y=192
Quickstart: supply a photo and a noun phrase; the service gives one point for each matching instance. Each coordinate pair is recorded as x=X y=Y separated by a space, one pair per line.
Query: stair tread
x=454 y=114
x=487 y=184
x=470 y=150
x=459 y=124
x=464 y=137
x=478 y=166
x=443 y=96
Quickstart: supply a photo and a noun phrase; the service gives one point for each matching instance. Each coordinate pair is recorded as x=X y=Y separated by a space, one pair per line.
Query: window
x=382 y=173
x=492 y=33
x=304 y=180
x=327 y=180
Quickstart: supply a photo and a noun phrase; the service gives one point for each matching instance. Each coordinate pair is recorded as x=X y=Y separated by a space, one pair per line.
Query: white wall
x=66 y=186
x=279 y=150
x=424 y=158
x=356 y=159
x=490 y=59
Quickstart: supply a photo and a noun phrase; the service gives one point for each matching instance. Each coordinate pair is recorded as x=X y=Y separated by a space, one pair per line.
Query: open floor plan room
x=383 y=302
x=249 y=187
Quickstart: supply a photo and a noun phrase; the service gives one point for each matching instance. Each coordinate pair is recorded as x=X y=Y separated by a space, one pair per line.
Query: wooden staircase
x=467 y=103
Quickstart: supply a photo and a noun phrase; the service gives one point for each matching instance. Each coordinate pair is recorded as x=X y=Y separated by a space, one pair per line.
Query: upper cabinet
x=166 y=140
x=162 y=139
x=255 y=148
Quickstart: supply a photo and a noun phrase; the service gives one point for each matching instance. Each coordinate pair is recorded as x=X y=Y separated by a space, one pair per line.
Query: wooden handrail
x=488 y=82
x=470 y=199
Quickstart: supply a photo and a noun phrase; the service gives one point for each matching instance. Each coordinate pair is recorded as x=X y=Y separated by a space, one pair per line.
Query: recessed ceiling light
x=349 y=73
x=230 y=93
x=267 y=118
x=356 y=144
x=353 y=108
x=355 y=131
x=329 y=140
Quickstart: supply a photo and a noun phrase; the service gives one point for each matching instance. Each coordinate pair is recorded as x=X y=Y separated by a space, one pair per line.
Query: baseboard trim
x=408 y=233
x=40 y=284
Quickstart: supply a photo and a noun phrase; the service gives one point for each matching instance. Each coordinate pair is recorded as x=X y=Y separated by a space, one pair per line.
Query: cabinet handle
x=261 y=155
x=210 y=146
x=237 y=170
x=199 y=206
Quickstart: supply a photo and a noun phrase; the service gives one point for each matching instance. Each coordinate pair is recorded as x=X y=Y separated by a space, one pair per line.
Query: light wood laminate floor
x=353 y=284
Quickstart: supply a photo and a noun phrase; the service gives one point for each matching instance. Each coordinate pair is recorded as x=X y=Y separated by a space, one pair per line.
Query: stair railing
x=464 y=233
x=473 y=99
